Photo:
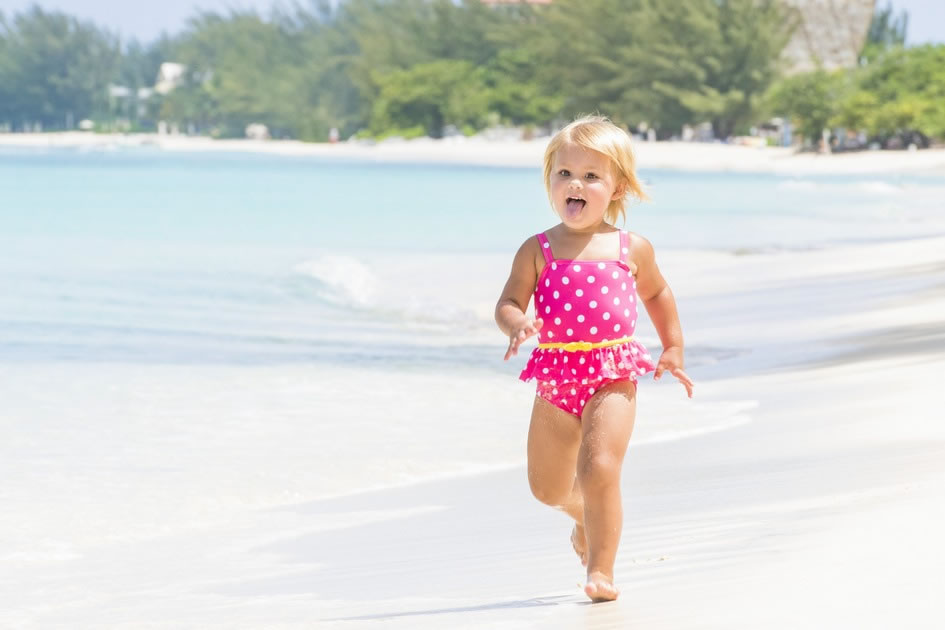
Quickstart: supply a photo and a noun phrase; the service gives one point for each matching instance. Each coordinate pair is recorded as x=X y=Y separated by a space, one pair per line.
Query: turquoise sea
x=146 y=256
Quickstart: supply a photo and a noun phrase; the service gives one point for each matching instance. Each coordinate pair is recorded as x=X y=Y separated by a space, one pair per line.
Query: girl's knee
x=598 y=470
x=549 y=493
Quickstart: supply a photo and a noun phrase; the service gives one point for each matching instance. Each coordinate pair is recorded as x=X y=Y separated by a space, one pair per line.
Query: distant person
x=588 y=278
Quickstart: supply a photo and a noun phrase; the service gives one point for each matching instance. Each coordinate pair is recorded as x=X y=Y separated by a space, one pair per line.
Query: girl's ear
x=620 y=191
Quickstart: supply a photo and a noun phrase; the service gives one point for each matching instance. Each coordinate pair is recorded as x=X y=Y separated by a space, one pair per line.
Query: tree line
x=428 y=67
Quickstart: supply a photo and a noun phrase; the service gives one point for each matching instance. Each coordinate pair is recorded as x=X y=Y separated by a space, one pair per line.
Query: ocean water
x=187 y=335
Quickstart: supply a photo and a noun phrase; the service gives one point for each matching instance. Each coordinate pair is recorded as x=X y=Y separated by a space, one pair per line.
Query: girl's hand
x=528 y=329
x=672 y=360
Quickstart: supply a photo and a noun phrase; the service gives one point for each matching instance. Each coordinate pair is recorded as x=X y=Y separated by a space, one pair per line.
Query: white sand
x=823 y=509
x=672 y=155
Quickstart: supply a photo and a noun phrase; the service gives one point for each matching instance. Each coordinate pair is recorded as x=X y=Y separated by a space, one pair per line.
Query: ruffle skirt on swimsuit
x=628 y=359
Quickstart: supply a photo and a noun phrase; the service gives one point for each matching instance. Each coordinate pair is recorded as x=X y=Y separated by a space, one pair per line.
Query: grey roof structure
x=830 y=33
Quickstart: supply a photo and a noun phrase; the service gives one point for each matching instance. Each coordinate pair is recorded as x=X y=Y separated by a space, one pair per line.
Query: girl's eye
x=591 y=176
x=564 y=172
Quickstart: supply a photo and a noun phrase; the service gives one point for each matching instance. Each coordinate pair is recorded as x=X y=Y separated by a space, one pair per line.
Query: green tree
x=808 y=99
x=54 y=69
x=431 y=95
x=240 y=70
x=664 y=63
x=909 y=85
x=887 y=30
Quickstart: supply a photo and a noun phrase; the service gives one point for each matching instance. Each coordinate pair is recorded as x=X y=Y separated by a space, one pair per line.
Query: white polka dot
x=573 y=371
x=591 y=279
x=592 y=304
x=580 y=318
x=556 y=295
x=557 y=321
x=590 y=391
x=567 y=306
x=624 y=250
x=616 y=327
x=626 y=312
x=604 y=290
x=570 y=332
x=601 y=265
x=555 y=391
x=565 y=359
x=582 y=403
x=593 y=330
x=623 y=286
x=573 y=392
x=579 y=292
x=633 y=323
x=577 y=267
x=541 y=298
x=574 y=410
x=616 y=275
x=554 y=266
x=547 y=282
x=565 y=280
x=547 y=310
x=582 y=360
x=555 y=383
x=547 y=244
x=544 y=371
x=590 y=369
x=616 y=301
x=606 y=316
x=550 y=335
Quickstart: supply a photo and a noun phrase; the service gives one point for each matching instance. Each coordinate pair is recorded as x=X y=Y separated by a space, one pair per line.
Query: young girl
x=588 y=278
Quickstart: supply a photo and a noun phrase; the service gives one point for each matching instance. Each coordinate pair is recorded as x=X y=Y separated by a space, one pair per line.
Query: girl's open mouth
x=574 y=205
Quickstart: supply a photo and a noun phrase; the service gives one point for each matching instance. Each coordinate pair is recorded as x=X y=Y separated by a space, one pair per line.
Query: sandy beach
x=460 y=150
x=821 y=505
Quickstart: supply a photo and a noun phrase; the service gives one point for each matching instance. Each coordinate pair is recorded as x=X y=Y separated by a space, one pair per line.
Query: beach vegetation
x=54 y=69
x=386 y=68
x=899 y=95
x=887 y=30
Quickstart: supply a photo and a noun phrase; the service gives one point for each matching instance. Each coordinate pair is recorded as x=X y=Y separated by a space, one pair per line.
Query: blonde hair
x=597 y=133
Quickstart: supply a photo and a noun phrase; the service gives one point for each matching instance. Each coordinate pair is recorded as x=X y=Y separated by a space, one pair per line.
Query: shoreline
x=699 y=157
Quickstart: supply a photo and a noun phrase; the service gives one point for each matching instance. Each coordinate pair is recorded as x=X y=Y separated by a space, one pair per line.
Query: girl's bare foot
x=579 y=542
x=600 y=587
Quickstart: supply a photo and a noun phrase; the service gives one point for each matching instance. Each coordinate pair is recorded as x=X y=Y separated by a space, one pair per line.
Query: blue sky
x=146 y=20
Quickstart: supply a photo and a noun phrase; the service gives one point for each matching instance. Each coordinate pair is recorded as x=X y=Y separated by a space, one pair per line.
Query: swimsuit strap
x=545 y=247
x=624 y=246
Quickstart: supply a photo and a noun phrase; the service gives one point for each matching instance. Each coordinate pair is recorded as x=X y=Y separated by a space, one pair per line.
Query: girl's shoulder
x=641 y=252
x=639 y=242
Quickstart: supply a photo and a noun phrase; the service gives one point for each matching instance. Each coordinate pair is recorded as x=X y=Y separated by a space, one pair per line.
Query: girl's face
x=582 y=186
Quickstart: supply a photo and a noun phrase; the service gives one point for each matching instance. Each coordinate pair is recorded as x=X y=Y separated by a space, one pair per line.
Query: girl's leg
x=607 y=423
x=554 y=438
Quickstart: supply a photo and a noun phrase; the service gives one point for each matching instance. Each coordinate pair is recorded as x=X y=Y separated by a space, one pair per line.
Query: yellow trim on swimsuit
x=575 y=346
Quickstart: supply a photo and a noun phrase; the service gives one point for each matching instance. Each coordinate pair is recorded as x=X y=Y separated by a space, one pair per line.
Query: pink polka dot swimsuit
x=589 y=313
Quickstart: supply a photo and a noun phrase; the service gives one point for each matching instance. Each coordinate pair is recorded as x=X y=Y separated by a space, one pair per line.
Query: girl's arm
x=658 y=299
x=512 y=304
